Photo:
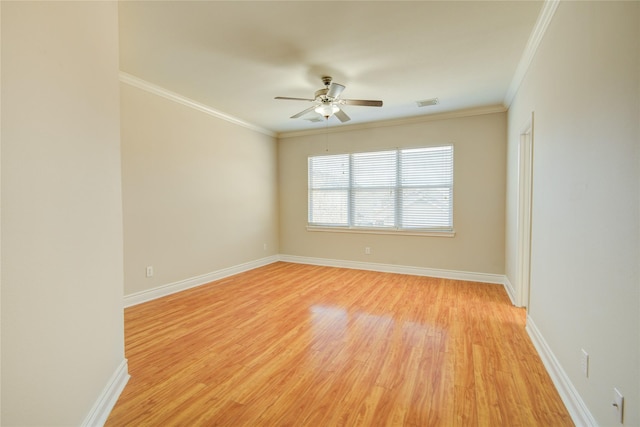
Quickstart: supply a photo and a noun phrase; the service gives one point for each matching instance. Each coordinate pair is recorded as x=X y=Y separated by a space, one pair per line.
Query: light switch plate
x=618 y=405
x=584 y=363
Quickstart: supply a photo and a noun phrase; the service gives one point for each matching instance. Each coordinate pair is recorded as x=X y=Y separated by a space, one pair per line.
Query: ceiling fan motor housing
x=321 y=94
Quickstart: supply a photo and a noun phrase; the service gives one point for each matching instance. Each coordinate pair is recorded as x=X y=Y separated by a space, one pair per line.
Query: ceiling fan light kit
x=327 y=110
x=327 y=101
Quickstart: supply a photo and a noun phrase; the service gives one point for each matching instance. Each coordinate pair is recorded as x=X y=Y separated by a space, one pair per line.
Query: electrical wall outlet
x=149 y=271
x=618 y=405
x=367 y=250
x=584 y=363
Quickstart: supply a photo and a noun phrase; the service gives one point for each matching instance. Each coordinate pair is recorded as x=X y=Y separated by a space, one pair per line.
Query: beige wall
x=62 y=272
x=479 y=185
x=584 y=87
x=199 y=193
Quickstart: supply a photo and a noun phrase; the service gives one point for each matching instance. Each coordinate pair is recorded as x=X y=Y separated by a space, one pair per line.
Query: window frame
x=349 y=227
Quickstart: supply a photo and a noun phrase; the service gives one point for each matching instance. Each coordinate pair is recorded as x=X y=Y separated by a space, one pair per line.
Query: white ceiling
x=236 y=56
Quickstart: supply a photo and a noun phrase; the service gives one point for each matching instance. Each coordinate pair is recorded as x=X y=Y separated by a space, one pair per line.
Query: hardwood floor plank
x=301 y=345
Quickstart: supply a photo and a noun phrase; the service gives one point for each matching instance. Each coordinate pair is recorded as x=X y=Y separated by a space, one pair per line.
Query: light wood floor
x=300 y=345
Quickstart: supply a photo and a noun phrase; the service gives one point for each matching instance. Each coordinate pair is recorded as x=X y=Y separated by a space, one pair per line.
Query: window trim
x=391 y=231
x=434 y=232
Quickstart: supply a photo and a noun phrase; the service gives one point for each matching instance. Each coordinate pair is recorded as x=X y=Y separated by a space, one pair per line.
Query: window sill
x=382 y=231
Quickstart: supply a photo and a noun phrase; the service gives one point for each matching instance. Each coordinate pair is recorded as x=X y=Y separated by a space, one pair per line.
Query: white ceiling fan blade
x=342 y=116
x=361 y=102
x=294 y=99
x=335 y=90
x=303 y=112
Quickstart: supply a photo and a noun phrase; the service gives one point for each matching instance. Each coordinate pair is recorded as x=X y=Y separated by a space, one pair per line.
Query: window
x=393 y=190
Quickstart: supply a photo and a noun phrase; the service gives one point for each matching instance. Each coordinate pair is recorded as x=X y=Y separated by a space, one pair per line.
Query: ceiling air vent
x=427 y=102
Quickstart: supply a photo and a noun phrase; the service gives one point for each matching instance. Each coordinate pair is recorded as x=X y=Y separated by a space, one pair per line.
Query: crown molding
x=544 y=18
x=491 y=109
x=160 y=91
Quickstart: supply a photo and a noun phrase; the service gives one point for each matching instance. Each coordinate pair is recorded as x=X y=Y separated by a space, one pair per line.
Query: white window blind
x=329 y=190
x=407 y=189
x=373 y=189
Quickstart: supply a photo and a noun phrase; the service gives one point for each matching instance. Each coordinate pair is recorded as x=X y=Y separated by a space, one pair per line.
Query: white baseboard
x=570 y=397
x=172 y=288
x=400 y=269
x=510 y=291
x=107 y=400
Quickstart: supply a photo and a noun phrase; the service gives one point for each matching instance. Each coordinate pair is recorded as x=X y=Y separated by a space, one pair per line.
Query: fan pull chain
x=326 y=132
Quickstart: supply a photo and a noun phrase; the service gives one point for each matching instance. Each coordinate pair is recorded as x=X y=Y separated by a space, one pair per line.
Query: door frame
x=524 y=211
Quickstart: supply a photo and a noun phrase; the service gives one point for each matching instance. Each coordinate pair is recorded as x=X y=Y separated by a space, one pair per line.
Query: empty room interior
x=320 y=213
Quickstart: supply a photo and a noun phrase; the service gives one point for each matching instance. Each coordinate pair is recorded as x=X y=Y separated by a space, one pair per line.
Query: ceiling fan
x=327 y=101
